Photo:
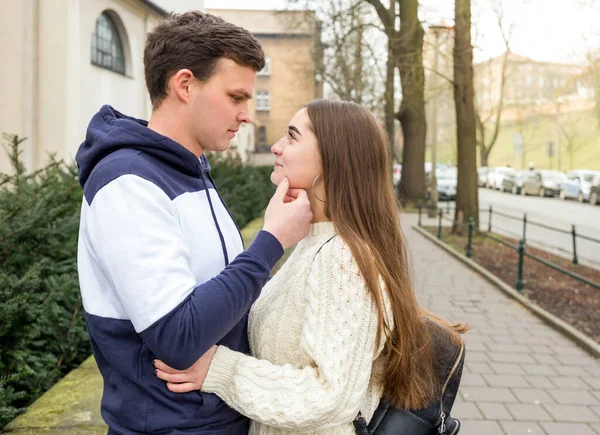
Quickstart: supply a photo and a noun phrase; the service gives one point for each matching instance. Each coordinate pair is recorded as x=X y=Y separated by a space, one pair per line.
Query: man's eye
x=237 y=99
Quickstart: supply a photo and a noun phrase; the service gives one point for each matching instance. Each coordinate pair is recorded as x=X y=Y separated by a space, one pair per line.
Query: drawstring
x=212 y=211
x=223 y=202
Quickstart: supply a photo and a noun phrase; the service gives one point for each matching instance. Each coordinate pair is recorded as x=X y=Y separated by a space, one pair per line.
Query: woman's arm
x=339 y=331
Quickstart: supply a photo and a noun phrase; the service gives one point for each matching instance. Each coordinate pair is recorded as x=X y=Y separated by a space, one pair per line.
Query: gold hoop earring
x=313 y=188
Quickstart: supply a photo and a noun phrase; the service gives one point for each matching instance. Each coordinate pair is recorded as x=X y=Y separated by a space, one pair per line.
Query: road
x=548 y=211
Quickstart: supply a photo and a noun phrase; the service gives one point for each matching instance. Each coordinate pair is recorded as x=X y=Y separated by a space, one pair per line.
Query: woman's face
x=297 y=154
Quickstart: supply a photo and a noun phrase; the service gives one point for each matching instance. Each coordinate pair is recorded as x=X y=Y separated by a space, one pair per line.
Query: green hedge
x=245 y=189
x=42 y=332
x=42 y=328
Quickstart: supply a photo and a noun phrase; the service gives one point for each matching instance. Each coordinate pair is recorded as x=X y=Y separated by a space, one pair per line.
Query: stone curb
x=561 y=326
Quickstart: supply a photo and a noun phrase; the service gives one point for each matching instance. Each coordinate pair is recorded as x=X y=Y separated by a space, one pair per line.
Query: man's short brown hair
x=196 y=41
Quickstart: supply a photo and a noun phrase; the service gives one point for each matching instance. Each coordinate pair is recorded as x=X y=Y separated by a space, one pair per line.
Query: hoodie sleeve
x=134 y=237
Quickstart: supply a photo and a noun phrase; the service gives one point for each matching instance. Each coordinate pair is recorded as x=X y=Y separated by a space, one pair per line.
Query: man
x=162 y=270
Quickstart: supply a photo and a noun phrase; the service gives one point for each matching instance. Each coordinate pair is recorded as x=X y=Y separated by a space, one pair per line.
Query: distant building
x=531 y=83
x=288 y=80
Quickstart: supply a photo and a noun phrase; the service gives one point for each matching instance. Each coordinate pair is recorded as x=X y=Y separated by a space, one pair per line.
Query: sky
x=545 y=30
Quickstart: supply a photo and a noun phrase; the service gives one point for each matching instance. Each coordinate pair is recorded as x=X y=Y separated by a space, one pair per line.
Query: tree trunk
x=389 y=87
x=467 y=200
x=412 y=110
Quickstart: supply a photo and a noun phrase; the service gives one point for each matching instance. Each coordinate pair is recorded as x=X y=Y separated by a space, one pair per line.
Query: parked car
x=513 y=182
x=496 y=175
x=446 y=180
x=543 y=183
x=578 y=185
x=482 y=174
x=396 y=172
x=595 y=191
x=437 y=166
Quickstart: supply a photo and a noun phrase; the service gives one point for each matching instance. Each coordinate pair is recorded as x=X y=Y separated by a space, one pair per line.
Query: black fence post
x=420 y=211
x=448 y=205
x=524 y=226
x=575 y=261
x=520 y=285
x=490 y=221
x=440 y=213
x=469 y=250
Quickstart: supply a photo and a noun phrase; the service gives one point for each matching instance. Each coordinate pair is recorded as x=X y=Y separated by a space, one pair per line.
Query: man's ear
x=181 y=84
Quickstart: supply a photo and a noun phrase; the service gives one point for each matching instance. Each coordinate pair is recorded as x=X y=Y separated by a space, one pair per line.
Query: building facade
x=286 y=83
x=61 y=61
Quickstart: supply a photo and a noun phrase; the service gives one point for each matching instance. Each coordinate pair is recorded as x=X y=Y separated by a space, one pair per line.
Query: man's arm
x=141 y=250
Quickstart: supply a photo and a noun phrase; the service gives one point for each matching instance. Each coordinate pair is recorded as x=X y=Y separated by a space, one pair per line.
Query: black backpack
x=435 y=419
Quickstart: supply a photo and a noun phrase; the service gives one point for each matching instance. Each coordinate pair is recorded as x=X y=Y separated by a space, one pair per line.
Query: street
x=547 y=211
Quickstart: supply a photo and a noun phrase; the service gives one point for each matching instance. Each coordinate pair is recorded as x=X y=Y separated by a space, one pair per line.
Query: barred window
x=107 y=49
x=266 y=71
x=262 y=139
x=263 y=101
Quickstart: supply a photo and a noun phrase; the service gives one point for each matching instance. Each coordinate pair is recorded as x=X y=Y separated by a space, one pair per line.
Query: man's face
x=219 y=106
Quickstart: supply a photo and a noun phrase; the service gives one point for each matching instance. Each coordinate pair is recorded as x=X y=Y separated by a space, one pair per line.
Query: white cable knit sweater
x=312 y=333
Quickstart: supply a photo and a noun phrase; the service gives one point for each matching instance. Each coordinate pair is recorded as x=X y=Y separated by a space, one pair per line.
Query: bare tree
x=348 y=56
x=494 y=115
x=467 y=199
x=406 y=51
x=571 y=126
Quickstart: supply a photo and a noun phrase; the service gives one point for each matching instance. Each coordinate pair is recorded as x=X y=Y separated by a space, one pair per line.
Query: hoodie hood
x=109 y=131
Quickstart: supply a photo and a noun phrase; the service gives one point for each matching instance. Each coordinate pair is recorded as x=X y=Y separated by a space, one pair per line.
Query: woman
x=339 y=326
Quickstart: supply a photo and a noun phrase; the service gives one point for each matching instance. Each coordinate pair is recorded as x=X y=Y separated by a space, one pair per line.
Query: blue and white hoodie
x=163 y=275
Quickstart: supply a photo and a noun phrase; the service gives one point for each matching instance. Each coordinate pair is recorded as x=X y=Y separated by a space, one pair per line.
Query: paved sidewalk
x=521 y=376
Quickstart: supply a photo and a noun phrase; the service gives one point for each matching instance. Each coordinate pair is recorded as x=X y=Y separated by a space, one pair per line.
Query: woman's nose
x=277 y=148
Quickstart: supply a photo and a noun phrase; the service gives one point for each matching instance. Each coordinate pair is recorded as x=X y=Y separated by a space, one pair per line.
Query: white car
x=496 y=176
x=578 y=185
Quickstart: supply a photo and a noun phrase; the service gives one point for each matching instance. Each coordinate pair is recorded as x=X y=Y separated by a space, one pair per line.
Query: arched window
x=107 y=48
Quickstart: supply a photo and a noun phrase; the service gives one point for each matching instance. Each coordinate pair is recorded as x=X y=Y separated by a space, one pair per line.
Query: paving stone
x=543 y=358
x=540 y=382
x=494 y=411
x=466 y=410
x=540 y=349
x=478 y=367
x=506 y=380
x=539 y=369
x=571 y=413
x=594 y=383
x=489 y=394
x=522 y=411
x=567 y=428
x=532 y=396
x=569 y=370
x=473 y=380
x=506 y=369
x=569 y=383
x=476 y=357
x=573 y=397
x=521 y=428
x=511 y=358
x=480 y=427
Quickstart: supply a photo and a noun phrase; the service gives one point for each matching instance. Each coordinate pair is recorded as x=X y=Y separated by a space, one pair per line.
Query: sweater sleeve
x=338 y=335
x=136 y=240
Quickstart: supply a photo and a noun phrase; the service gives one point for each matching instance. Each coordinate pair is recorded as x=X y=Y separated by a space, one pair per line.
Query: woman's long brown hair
x=362 y=205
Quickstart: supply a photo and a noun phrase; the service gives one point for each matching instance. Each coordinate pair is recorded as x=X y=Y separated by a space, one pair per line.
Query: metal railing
x=520 y=248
